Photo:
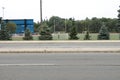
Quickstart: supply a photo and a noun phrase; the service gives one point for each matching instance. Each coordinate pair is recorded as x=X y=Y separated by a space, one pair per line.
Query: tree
x=45 y=35
x=56 y=23
x=11 y=27
x=4 y=32
x=73 y=34
x=28 y=35
x=95 y=25
x=36 y=27
x=68 y=25
x=103 y=33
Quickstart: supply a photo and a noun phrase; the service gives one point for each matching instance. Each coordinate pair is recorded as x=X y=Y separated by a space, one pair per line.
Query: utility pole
x=41 y=28
x=0 y=22
x=65 y=26
x=54 y=25
x=119 y=21
x=41 y=11
x=3 y=11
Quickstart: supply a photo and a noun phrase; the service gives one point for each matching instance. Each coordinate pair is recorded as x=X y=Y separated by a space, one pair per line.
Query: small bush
x=45 y=35
x=103 y=33
x=73 y=34
x=28 y=35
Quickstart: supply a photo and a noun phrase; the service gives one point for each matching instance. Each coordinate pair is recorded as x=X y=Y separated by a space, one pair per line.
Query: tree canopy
x=11 y=27
x=4 y=32
x=57 y=24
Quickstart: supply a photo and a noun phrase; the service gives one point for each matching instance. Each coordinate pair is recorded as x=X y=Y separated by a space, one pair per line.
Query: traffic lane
x=60 y=73
x=62 y=45
x=78 y=59
x=71 y=66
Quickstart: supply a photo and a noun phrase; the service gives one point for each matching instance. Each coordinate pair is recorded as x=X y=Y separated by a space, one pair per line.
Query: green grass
x=17 y=38
x=65 y=36
x=114 y=36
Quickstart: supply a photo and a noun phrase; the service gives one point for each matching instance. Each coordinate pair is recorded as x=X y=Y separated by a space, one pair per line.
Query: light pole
x=65 y=26
x=54 y=25
x=119 y=21
x=41 y=27
x=0 y=22
x=41 y=11
x=3 y=11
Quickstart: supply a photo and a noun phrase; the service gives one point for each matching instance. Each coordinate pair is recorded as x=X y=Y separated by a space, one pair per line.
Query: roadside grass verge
x=65 y=36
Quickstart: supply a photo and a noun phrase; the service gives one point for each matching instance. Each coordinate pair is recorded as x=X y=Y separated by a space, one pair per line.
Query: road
x=61 y=66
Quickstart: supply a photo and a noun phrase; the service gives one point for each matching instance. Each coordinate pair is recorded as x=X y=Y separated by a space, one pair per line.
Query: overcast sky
x=79 y=9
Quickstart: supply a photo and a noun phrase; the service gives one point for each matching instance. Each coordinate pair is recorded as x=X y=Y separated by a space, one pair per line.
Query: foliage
x=95 y=25
x=87 y=36
x=43 y=26
x=103 y=33
x=4 y=32
x=28 y=35
x=36 y=27
x=11 y=27
x=45 y=35
x=57 y=24
x=73 y=34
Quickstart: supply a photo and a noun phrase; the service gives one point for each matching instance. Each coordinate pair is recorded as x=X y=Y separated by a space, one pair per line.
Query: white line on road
x=8 y=65
x=27 y=65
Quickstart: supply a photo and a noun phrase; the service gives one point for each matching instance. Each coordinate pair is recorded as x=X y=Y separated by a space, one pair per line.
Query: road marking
x=8 y=65
x=27 y=64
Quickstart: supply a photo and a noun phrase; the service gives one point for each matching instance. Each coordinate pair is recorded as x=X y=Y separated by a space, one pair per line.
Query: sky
x=78 y=9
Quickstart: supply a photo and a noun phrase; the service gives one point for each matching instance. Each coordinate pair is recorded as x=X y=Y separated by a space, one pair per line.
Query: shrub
x=28 y=35
x=103 y=33
x=45 y=35
x=73 y=34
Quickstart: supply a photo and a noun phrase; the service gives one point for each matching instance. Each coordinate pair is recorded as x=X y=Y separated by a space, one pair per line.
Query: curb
x=63 y=50
x=59 y=50
x=62 y=41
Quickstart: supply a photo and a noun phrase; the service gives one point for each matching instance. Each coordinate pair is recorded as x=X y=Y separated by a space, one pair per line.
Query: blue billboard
x=22 y=24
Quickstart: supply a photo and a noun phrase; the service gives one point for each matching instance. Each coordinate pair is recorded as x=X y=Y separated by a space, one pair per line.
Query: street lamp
x=119 y=32
x=65 y=26
x=119 y=21
x=54 y=25
x=41 y=11
x=3 y=11
x=41 y=27
x=0 y=22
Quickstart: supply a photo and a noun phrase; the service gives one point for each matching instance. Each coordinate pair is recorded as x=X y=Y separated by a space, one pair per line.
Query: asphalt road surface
x=60 y=66
x=61 y=45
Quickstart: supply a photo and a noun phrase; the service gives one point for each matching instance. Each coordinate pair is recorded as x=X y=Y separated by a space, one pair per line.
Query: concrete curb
x=62 y=41
x=59 y=50
x=63 y=50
